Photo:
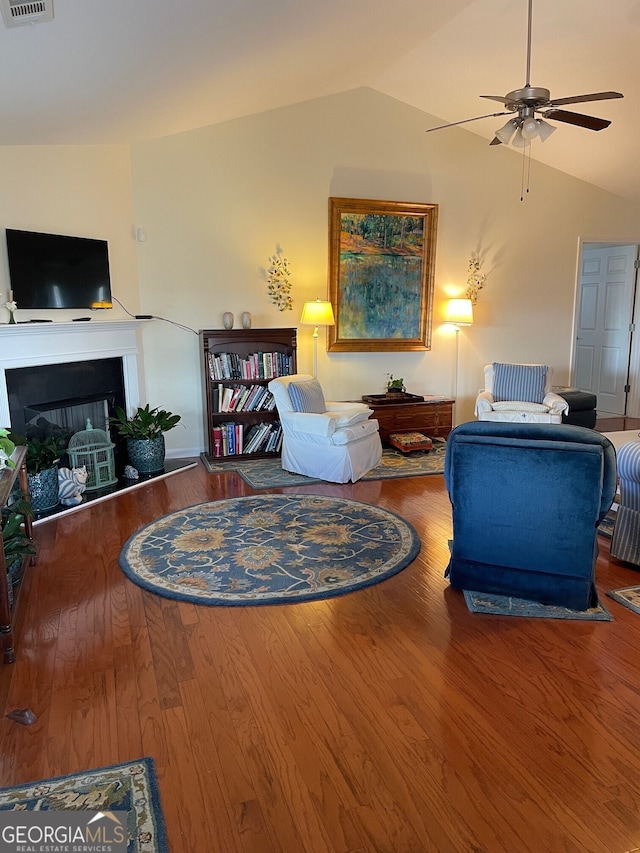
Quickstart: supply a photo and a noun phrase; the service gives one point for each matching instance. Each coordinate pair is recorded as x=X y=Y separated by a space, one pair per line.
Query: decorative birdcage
x=94 y=449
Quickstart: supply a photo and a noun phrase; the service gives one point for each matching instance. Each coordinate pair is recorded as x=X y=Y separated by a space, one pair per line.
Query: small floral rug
x=268 y=473
x=126 y=794
x=505 y=605
x=268 y=549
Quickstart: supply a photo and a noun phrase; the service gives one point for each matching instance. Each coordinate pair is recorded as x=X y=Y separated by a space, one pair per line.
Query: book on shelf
x=234 y=438
x=251 y=393
x=242 y=398
x=253 y=437
x=260 y=439
x=275 y=437
x=235 y=396
x=227 y=394
x=256 y=391
x=255 y=402
x=269 y=403
x=258 y=365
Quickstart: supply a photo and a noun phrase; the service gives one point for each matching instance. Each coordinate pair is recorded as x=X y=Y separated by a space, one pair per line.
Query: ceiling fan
x=526 y=104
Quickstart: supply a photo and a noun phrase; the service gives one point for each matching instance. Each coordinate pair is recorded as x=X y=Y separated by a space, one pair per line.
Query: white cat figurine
x=71 y=484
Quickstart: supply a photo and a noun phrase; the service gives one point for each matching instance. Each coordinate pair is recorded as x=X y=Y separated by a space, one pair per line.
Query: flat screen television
x=53 y=271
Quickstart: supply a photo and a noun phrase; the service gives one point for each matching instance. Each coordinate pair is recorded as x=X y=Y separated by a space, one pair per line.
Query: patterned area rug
x=268 y=473
x=605 y=528
x=128 y=788
x=268 y=549
x=503 y=605
x=629 y=596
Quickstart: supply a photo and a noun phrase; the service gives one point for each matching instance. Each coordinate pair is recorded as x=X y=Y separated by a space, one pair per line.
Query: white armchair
x=333 y=441
x=519 y=393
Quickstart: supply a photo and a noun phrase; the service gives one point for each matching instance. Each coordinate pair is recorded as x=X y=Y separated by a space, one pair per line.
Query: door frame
x=632 y=407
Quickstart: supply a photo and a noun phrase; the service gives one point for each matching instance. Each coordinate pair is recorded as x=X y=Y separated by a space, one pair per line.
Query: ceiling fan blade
x=580 y=120
x=502 y=99
x=464 y=121
x=495 y=141
x=581 y=99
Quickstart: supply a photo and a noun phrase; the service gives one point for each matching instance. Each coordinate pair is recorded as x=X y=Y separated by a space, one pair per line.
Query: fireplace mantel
x=33 y=344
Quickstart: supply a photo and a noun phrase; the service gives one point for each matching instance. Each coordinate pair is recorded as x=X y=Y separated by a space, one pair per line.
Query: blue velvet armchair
x=527 y=500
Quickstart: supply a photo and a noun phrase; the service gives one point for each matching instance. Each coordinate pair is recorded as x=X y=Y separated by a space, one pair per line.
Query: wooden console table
x=7 y=613
x=430 y=417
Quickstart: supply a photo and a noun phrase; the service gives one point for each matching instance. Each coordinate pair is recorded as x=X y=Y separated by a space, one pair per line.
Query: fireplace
x=67 y=371
x=60 y=346
x=65 y=394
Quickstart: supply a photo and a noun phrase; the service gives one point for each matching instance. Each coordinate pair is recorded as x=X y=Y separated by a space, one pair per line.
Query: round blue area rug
x=268 y=549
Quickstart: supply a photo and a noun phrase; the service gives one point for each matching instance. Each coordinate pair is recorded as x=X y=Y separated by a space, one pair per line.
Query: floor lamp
x=459 y=312
x=318 y=313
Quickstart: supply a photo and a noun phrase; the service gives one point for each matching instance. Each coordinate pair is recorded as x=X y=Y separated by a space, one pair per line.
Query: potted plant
x=6 y=449
x=43 y=455
x=15 y=541
x=144 y=432
x=394 y=386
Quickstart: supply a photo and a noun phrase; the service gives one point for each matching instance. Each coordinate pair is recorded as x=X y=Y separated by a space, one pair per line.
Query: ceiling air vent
x=17 y=13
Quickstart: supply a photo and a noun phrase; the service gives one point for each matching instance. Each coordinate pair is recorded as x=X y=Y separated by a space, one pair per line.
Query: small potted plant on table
x=144 y=432
x=395 y=387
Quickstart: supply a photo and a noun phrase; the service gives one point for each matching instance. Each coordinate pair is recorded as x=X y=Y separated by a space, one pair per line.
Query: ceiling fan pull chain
x=526 y=169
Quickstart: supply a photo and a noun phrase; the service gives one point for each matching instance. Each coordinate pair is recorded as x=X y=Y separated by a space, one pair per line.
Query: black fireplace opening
x=59 y=399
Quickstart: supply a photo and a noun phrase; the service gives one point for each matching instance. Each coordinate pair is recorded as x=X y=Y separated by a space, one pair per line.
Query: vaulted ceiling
x=116 y=71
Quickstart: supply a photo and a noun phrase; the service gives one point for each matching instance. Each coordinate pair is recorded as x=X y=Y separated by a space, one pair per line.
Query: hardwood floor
x=389 y=719
x=617 y=423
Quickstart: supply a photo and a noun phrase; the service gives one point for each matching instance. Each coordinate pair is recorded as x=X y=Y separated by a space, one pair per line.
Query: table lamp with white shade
x=317 y=313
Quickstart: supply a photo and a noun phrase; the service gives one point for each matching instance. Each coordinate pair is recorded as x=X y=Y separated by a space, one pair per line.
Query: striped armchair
x=625 y=542
x=519 y=393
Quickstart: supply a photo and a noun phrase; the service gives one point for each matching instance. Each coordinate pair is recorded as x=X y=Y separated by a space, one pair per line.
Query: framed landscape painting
x=381 y=268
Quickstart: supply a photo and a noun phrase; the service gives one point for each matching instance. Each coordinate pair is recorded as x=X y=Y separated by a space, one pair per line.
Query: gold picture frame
x=381 y=275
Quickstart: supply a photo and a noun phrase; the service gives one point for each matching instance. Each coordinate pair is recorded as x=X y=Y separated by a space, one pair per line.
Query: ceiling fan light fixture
x=505 y=133
x=530 y=128
x=545 y=129
x=519 y=141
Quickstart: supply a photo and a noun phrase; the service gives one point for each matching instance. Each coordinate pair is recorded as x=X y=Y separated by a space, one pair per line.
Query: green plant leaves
x=146 y=423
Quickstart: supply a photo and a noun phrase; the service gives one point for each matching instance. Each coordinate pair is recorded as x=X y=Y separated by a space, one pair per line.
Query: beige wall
x=81 y=190
x=217 y=200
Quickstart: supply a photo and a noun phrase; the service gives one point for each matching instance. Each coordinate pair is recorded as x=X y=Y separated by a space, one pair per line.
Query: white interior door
x=603 y=324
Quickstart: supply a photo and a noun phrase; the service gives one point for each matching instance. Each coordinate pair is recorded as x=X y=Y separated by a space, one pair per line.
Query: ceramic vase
x=43 y=488
x=146 y=455
x=245 y=319
x=227 y=320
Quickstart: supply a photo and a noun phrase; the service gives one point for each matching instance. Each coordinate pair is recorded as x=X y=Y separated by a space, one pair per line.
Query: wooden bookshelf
x=241 y=420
